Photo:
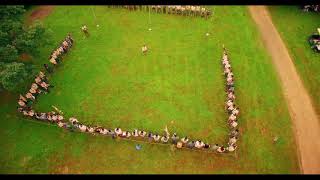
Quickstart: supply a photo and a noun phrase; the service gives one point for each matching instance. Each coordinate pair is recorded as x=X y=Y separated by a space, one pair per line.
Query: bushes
x=15 y=39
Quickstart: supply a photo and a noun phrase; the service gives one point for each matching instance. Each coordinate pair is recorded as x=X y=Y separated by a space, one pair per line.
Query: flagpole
x=149 y=20
x=95 y=18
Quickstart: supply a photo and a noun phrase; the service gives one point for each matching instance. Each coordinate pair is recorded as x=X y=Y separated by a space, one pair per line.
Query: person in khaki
x=144 y=49
x=30 y=96
x=179 y=144
x=85 y=30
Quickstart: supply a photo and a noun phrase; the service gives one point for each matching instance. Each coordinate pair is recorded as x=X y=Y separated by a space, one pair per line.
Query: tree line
x=17 y=39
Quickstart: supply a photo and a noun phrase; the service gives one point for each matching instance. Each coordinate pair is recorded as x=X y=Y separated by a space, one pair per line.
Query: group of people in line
x=315 y=8
x=231 y=108
x=55 y=57
x=41 y=85
x=151 y=137
x=185 y=10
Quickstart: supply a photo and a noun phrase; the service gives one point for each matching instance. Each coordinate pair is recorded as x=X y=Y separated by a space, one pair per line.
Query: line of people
x=41 y=85
x=147 y=136
x=185 y=10
x=315 y=8
x=55 y=57
x=231 y=108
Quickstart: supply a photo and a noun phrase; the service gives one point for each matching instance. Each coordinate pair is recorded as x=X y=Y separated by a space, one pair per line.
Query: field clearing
x=105 y=80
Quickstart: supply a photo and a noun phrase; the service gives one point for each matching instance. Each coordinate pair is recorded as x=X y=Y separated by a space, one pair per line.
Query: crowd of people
x=231 y=108
x=164 y=138
x=41 y=84
x=185 y=10
x=174 y=139
x=307 y=8
x=55 y=57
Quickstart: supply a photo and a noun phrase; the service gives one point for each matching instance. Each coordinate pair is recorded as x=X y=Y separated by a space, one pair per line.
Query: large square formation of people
x=41 y=85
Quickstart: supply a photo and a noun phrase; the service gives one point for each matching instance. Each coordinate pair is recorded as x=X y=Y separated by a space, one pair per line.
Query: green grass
x=105 y=80
x=295 y=26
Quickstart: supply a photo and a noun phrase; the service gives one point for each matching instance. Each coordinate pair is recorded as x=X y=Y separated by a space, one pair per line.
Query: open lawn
x=105 y=80
x=295 y=26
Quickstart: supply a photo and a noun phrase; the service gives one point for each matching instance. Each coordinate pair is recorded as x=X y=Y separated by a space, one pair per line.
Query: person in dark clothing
x=206 y=146
x=48 y=69
x=190 y=144
x=175 y=138
x=150 y=136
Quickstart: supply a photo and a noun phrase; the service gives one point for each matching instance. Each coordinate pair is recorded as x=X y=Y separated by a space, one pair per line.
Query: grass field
x=295 y=35
x=105 y=80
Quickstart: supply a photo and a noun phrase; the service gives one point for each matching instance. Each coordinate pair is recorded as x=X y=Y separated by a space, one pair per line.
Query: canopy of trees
x=16 y=39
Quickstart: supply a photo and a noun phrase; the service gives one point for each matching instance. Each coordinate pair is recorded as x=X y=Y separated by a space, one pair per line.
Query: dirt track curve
x=303 y=115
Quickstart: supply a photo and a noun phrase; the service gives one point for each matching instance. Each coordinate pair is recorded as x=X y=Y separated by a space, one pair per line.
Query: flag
x=167 y=132
x=59 y=111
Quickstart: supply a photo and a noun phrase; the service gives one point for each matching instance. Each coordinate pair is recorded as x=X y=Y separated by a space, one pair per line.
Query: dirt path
x=39 y=13
x=303 y=115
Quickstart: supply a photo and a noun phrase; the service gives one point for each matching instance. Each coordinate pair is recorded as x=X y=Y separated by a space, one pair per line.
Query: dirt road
x=303 y=115
x=40 y=12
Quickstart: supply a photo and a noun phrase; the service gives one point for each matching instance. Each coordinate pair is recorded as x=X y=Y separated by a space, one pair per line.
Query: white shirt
x=227 y=70
x=230 y=108
x=232 y=140
x=232 y=117
x=104 y=131
x=91 y=130
x=128 y=134
x=83 y=128
x=220 y=150
x=143 y=133
x=184 y=140
x=235 y=112
x=60 y=118
x=135 y=133
x=229 y=103
x=234 y=124
x=230 y=95
x=231 y=148
x=54 y=117
x=60 y=124
x=21 y=103
x=118 y=132
x=73 y=120
x=156 y=137
x=34 y=86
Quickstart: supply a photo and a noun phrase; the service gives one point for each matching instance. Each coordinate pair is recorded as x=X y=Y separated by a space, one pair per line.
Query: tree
x=11 y=11
x=8 y=53
x=15 y=39
x=12 y=75
x=30 y=39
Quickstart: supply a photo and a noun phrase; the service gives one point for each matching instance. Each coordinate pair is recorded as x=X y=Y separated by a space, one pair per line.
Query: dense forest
x=17 y=41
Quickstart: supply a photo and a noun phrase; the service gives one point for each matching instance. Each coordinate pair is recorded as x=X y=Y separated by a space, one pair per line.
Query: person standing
x=85 y=30
x=144 y=49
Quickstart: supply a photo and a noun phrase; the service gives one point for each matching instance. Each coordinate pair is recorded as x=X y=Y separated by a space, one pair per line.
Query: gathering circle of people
x=41 y=85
